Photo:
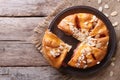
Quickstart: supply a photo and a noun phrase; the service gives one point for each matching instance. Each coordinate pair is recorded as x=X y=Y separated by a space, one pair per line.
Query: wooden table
x=19 y=59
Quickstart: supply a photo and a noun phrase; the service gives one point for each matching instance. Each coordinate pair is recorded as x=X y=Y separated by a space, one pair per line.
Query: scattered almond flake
x=94 y=18
x=107 y=43
x=85 y=66
x=115 y=24
x=106 y=6
x=99 y=1
x=100 y=9
x=86 y=23
x=89 y=60
x=98 y=62
x=57 y=51
x=113 y=59
x=106 y=14
x=114 y=13
x=41 y=50
x=84 y=61
x=89 y=53
x=111 y=73
x=98 y=45
x=78 y=65
x=112 y=64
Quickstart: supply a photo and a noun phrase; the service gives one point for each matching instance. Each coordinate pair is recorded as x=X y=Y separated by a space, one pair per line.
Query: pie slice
x=87 y=56
x=71 y=26
x=89 y=53
x=54 y=49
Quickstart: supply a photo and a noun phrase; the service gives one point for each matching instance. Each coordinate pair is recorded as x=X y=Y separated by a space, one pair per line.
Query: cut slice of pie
x=54 y=49
x=85 y=56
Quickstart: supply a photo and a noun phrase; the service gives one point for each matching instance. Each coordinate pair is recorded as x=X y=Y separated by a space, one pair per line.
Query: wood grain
x=27 y=7
x=16 y=48
x=20 y=54
x=18 y=28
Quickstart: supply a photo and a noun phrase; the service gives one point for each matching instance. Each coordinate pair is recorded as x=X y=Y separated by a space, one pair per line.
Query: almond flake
x=106 y=14
x=98 y=45
x=114 y=13
x=100 y=9
x=78 y=64
x=111 y=73
x=98 y=62
x=89 y=60
x=106 y=6
x=84 y=61
x=85 y=66
x=112 y=64
x=99 y=1
x=115 y=24
x=113 y=59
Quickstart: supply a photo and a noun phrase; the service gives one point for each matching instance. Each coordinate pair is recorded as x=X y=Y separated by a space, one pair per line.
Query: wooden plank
x=18 y=28
x=16 y=48
x=27 y=7
x=20 y=54
x=29 y=73
x=49 y=73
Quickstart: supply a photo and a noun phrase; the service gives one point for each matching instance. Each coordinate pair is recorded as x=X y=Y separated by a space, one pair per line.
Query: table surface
x=20 y=60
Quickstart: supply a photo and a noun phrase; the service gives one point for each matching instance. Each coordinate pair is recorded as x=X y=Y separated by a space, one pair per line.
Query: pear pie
x=93 y=37
x=54 y=49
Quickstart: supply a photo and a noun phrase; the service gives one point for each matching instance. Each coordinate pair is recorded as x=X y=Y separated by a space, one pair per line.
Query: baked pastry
x=54 y=49
x=89 y=53
x=93 y=36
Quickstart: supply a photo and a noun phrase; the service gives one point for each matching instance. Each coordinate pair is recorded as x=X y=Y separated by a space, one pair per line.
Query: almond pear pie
x=93 y=37
x=54 y=49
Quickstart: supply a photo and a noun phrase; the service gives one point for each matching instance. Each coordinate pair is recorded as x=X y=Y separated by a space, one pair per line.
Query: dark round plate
x=70 y=40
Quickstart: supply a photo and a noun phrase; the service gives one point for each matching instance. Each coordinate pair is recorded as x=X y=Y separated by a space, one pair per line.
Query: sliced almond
x=106 y=6
x=99 y=1
x=111 y=73
x=115 y=24
x=112 y=64
x=114 y=13
x=113 y=59
x=106 y=14
x=100 y=9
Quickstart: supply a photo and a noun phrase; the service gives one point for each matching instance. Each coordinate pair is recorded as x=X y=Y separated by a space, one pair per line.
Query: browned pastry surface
x=93 y=36
x=54 y=49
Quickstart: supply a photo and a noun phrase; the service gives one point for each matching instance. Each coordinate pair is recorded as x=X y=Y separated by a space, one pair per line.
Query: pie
x=93 y=37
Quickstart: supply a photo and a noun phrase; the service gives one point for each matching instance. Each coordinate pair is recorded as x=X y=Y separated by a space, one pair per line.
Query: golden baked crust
x=93 y=36
x=54 y=49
